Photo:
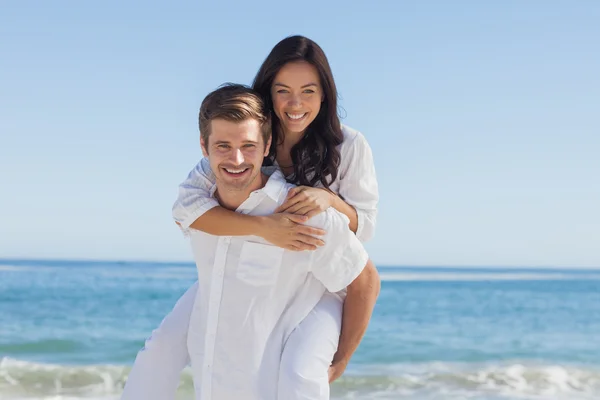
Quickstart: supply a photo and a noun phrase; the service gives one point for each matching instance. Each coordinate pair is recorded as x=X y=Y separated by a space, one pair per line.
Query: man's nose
x=237 y=156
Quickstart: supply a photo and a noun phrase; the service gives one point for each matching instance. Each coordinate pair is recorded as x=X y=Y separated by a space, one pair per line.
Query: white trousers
x=304 y=364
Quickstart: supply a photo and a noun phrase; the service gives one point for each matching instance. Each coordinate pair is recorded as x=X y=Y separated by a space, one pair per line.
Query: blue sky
x=483 y=118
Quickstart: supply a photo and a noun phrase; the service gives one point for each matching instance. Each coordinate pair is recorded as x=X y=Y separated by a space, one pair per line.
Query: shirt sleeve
x=343 y=257
x=195 y=195
x=358 y=184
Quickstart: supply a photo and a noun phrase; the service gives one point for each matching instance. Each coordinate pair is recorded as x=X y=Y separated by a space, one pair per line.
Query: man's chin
x=226 y=183
x=233 y=187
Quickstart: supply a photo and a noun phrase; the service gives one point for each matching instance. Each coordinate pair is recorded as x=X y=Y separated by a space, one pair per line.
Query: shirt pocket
x=259 y=264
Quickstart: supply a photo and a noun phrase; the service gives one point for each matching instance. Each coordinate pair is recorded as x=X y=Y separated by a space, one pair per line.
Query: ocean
x=71 y=330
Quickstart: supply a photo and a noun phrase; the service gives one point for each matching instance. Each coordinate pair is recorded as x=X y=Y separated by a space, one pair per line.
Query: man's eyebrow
x=228 y=142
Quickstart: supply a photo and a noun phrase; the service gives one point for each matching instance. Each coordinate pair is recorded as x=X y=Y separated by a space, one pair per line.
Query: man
x=252 y=295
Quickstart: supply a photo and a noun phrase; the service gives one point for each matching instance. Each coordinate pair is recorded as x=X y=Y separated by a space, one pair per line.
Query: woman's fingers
x=292 y=247
x=309 y=240
x=288 y=203
x=306 y=209
x=299 y=219
x=298 y=206
x=309 y=230
x=304 y=246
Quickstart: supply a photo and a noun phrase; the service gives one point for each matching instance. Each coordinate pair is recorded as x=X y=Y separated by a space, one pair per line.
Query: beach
x=71 y=330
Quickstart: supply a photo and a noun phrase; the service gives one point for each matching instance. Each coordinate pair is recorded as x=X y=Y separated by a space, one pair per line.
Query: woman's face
x=297 y=96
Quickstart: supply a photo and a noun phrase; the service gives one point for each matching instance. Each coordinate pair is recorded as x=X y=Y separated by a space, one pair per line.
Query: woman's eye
x=282 y=91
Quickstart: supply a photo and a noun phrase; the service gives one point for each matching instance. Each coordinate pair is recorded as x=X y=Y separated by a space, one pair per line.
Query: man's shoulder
x=282 y=194
x=330 y=219
x=277 y=187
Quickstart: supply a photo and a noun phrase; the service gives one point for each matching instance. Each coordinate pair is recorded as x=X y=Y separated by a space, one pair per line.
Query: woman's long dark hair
x=315 y=157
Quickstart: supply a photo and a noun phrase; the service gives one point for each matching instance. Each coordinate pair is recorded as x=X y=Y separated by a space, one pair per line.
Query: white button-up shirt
x=253 y=294
x=356 y=184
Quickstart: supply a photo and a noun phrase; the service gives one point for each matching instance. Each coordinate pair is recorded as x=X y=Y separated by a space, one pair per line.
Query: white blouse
x=356 y=184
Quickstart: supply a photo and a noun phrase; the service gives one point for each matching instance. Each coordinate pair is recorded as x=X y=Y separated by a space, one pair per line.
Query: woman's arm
x=195 y=195
x=358 y=308
x=196 y=208
x=282 y=230
x=347 y=210
x=358 y=186
x=358 y=191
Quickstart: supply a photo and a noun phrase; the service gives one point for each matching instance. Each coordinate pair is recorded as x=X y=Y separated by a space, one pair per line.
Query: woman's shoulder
x=352 y=137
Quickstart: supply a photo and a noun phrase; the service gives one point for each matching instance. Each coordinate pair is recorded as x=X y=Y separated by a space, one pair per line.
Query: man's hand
x=289 y=232
x=308 y=201
x=336 y=369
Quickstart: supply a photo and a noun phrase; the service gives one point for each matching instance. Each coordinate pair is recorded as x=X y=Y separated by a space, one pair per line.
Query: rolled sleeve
x=366 y=224
x=358 y=184
x=342 y=258
x=194 y=197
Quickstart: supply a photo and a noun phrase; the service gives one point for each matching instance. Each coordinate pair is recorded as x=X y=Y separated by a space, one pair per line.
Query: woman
x=333 y=166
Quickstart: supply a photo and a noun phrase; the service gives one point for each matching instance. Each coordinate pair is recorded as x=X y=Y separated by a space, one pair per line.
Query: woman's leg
x=158 y=365
x=309 y=351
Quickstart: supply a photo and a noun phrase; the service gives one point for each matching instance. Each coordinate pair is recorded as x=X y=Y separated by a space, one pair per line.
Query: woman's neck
x=284 y=148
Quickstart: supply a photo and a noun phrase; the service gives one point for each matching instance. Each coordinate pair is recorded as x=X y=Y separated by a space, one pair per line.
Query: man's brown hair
x=236 y=103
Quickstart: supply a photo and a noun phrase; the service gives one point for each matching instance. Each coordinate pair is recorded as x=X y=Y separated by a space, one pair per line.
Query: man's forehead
x=248 y=129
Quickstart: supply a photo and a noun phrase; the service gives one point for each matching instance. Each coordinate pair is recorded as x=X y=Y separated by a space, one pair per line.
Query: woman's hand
x=308 y=201
x=289 y=232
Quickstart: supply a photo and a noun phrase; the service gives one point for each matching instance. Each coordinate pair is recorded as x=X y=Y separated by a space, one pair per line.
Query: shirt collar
x=275 y=186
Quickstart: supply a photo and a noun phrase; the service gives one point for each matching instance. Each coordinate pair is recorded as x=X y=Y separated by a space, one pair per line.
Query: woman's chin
x=295 y=129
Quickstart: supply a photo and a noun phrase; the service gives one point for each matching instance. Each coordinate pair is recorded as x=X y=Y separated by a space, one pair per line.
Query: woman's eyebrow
x=286 y=86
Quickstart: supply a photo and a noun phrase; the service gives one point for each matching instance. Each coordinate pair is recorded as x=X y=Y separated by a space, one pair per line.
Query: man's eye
x=249 y=146
x=223 y=146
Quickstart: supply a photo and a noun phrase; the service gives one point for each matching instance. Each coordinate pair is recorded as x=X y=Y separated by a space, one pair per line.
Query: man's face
x=235 y=151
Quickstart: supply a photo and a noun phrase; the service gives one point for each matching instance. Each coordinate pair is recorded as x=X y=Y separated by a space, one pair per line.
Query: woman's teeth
x=295 y=116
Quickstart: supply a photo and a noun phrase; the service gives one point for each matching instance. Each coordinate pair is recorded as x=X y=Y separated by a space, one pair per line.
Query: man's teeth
x=295 y=116
x=235 y=171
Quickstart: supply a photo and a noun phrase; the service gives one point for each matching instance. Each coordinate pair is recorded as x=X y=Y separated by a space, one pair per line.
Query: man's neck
x=233 y=199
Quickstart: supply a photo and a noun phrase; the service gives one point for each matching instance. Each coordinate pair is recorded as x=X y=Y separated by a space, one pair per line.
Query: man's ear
x=204 y=147
x=268 y=146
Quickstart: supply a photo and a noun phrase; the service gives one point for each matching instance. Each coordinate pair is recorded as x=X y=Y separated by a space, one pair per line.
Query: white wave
x=188 y=273
x=483 y=276
x=114 y=272
x=23 y=268
x=446 y=381
x=28 y=380
x=9 y=268
x=486 y=381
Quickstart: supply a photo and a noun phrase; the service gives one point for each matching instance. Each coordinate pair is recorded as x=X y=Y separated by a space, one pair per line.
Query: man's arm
x=358 y=307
